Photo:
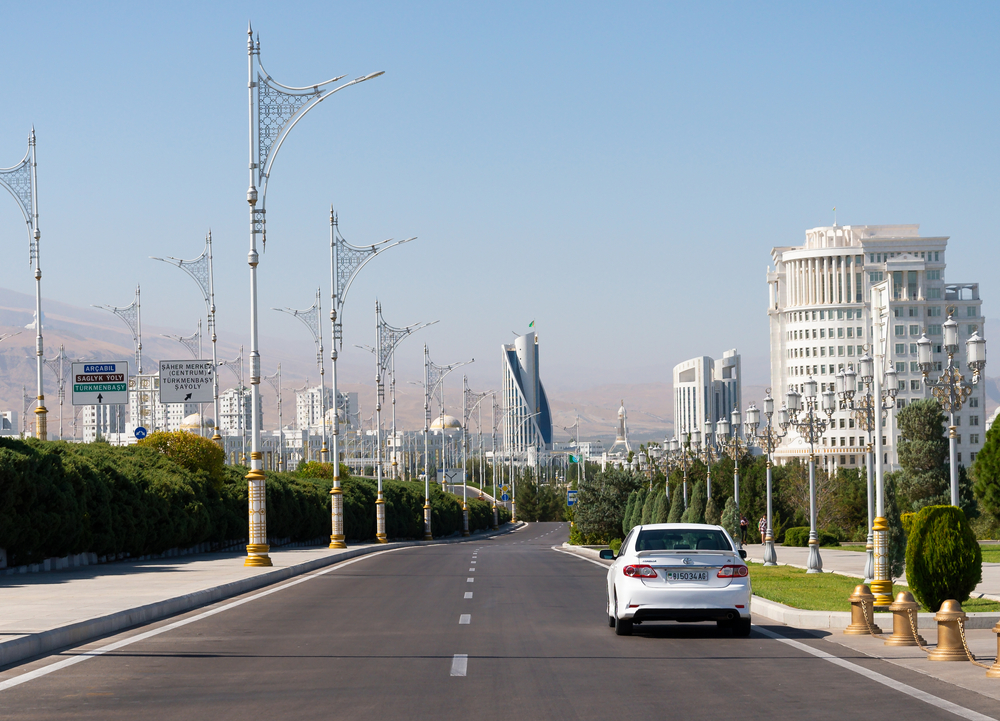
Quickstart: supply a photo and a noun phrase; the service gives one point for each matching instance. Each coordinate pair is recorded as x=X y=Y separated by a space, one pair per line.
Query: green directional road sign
x=100 y=383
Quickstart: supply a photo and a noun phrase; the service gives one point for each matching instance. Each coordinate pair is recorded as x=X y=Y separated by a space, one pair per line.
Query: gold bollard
x=902 y=631
x=859 y=626
x=949 y=641
x=994 y=670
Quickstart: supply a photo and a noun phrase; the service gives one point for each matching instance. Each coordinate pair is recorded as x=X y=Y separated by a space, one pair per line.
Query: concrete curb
x=37 y=644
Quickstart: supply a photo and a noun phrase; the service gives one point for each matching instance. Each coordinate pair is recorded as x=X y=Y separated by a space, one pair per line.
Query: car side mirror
x=607 y=555
x=743 y=554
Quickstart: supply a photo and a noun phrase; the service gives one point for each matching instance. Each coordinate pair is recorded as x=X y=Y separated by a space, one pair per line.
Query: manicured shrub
x=799 y=536
x=943 y=559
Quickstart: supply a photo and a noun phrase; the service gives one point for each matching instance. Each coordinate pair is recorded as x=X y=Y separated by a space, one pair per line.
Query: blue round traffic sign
x=140 y=433
x=505 y=497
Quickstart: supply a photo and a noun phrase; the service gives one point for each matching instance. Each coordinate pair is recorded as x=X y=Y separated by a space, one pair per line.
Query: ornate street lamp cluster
x=767 y=439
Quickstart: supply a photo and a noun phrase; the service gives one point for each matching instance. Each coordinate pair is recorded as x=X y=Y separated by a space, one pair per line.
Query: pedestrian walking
x=744 y=525
x=762 y=527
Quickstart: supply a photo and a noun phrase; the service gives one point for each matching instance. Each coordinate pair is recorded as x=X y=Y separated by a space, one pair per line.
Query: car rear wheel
x=622 y=626
x=741 y=628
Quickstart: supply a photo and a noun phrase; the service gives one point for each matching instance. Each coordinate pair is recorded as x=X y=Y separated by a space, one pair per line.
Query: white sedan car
x=678 y=572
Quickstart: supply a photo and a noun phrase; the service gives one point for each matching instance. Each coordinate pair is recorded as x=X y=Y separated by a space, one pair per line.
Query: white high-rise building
x=309 y=410
x=229 y=412
x=706 y=389
x=146 y=410
x=819 y=310
x=528 y=425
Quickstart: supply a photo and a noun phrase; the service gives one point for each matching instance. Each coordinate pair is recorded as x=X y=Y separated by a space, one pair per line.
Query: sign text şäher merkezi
x=185 y=376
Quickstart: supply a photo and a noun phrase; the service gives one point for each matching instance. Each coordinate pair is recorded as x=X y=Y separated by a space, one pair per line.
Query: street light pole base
x=257 y=555
x=337 y=542
x=427 y=520
x=815 y=564
x=770 y=557
x=465 y=519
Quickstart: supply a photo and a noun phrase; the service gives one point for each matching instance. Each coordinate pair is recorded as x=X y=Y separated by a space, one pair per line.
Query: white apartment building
x=8 y=423
x=706 y=389
x=146 y=410
x=309 y=409
x=230 y=422
x=819 y=310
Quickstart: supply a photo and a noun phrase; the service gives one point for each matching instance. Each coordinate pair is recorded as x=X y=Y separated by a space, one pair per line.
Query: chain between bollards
x=965 y=645
x=912 y=615
x=870 y=622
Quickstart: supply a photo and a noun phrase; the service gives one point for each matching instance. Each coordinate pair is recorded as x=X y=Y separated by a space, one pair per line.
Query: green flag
x=573 y=459
x=531 y=324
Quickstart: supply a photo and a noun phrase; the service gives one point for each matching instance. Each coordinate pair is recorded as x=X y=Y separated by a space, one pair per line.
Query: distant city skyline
x=619 y=177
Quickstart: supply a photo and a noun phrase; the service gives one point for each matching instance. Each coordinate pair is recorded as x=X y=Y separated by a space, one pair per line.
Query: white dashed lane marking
x=469 y=580
x=459 y=664
x=465 y=619
x=468 y=594
x=472 y=570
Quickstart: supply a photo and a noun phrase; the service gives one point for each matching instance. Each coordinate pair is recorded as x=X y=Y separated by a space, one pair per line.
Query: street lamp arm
x=297 y=115
x=17 y=180
x=372 y=251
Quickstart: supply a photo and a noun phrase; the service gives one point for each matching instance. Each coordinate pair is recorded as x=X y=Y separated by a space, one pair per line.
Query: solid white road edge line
x=873 y=675
x=582 y=558
x=459 y=664
x=880 y=678
x=67 y=662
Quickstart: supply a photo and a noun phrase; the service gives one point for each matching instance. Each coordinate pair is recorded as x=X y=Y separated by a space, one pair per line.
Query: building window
x=973 y=403
x=914 y=385
x=897 y=312
x=914 y=367
x=931 y=329
x=959 y=457
x=840 y=350
x=850 y=332
x=914 y=330
x=901 y=367
x=850 y=350
x=900 y=385
x=854 y=460
x=973 y=457
x=973 y=420
x=901 y=402
x=913 y=348
x=958 y=420
x=841 y=422
x=934 y=311
x=900 y=348
x=974 y=439
x=875 y=277
x=859 y=333
x=970 y=311
x=822 y=332
x=937 y=257
x=934 y=275
x=843 y=441
x=933 y=294
x=913 y=311
x=840 y=315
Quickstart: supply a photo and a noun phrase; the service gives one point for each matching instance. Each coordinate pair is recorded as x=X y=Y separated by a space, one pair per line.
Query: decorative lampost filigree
x=951 y=389
x=470 y=401
x=274 y=110
x=768 y=440
x=735 y=448
x=810 y=425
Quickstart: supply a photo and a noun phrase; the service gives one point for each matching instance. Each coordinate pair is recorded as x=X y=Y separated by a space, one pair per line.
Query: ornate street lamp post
x=811 y=427
x=346 y=261
x=864 y=414
x=274 y=110
x=201 y=271
x=131 y=316
x=951 y=389
x=387 y=338
x=768 y=440
x=57 y=366
x=21 y=181
x=468 y=397
x=706 y=452
x=275 y=381
x=733 y=447
x=681 y=455
x=433 y=378
x=310 y=318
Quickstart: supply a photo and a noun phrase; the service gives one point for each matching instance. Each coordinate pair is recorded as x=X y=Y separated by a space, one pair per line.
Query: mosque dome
x=450 y=423
x=193 y=422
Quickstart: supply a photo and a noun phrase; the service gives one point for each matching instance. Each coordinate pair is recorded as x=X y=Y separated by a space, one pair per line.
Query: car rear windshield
x=666 y=539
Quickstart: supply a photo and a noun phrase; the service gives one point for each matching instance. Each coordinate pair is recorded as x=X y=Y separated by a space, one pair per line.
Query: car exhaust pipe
x=730 y=616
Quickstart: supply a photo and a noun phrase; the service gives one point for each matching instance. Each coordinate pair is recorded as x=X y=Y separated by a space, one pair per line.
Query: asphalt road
x=382 y=639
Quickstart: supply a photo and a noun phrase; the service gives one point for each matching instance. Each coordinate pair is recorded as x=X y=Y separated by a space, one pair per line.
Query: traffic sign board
x=186 y=381
x=100 y=383
x=570 y=498
x=505 y=488
x=140 y=433
x=504 y=497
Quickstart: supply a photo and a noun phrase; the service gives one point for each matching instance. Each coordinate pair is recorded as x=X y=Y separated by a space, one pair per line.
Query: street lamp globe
x=891 y=384
x=924 y=352
x=793 y=401
x=783 y=417
x=951 y=335
x=810 y=387
x=722 y=428
x=753 y=417
x=736 y=419
x=829 y=401
x=975 y=349
x=839 y=382
x=695 y=439
x=866 y=365
x=850 y=382
x=768 y=405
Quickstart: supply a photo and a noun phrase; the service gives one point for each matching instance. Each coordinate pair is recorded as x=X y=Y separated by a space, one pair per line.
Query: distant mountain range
x=93 y=334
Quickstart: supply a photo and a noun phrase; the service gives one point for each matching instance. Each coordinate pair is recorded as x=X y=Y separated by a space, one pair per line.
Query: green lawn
x=991 y=553
x=822 y=592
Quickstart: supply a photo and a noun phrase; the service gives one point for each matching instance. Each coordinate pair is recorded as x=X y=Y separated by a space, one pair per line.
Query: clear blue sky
x=616 y=172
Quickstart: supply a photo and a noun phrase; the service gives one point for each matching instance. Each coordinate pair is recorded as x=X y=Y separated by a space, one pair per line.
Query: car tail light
x=639 y=571
x=733 y=572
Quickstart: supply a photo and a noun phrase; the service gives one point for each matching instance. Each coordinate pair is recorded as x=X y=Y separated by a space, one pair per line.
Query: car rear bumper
x=641 y=603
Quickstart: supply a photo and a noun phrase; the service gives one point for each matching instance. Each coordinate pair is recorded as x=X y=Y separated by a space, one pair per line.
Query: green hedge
x=943 y=559
x=799 y=536
x=61 y=498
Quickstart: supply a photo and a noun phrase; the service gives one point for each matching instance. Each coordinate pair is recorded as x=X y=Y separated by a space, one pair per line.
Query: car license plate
x=687 y=575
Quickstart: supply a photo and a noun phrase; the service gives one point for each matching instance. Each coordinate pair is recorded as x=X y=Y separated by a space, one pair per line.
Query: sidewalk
x=982 y=641
x=42 y=612
x=852 y=563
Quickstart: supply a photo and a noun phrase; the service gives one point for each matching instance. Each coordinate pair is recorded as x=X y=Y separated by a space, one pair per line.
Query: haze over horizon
x=617 y=176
